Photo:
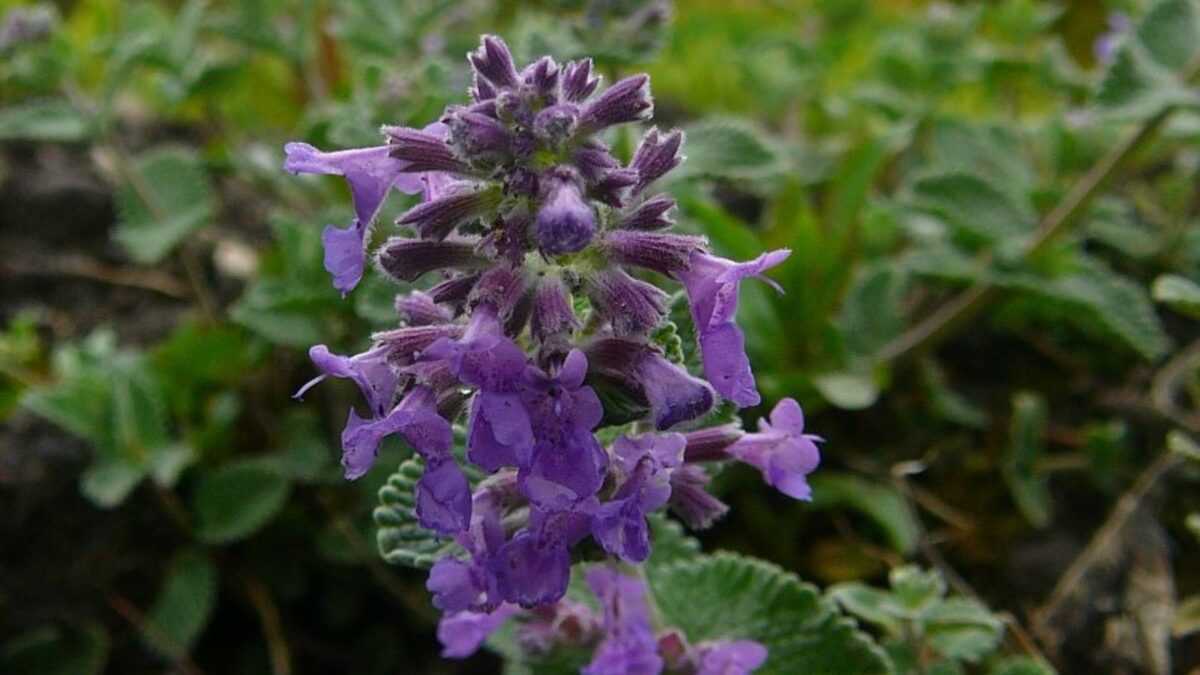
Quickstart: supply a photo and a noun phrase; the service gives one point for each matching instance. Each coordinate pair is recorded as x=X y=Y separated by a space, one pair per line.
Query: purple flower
x=500 y=433
x=567 y=463
x=781 y=450
x=712 y=288
x=674 y=396
x=1105 y=47
x=417 y=308
x=470 y=584
x=725 y=657
x=565 y=223
x=534 y=567
x=371 y=173
x=464 y=633
x=628 y=647
x=369 y=370
x=647 y=462
x=443 y=494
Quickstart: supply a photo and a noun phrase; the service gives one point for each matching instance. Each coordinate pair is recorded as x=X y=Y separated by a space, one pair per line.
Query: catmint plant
x=546 y=260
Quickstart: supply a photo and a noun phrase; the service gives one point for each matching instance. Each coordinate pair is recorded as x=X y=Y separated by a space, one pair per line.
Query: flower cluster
x=538 y=243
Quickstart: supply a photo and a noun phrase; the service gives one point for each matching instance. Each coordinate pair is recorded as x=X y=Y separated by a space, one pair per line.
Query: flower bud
x=565 y=223
x=494 y=62
x=625 y=101
x=409 y=259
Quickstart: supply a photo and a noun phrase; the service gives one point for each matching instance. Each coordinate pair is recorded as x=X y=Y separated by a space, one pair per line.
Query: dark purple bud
x=493 y=61
x=403 y=344
x=674 y=395
x=657 y=154
x=667 y=254
x=541 y=80
x=710 y=444
x=625 y=101
x=633 y=307
x=479 y=137
x=555 y=124
x=691 y=501
x=594 y=160
x=502 y=288
x=510 y=108
x=422 y=151
x=613 y=187
x=418 y=309
x=521 y=182
x=652 y=214
x=483 y=90
x=454 y=291
x=408 y=259
x=565 y=223
x=552 y=312
x=438 y=218
x=578 y=82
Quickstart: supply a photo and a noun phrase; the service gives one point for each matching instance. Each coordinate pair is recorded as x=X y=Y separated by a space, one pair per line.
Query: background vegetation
x=991 y=317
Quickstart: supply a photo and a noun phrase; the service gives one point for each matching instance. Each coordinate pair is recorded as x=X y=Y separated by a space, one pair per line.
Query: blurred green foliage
x=990 y=312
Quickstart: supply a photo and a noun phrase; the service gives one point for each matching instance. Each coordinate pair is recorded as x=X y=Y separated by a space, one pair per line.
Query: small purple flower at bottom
x=628 y=647
x=712 y=288
x=781 y=450
x=567 y=463
x=739 y=657
x=462 y=634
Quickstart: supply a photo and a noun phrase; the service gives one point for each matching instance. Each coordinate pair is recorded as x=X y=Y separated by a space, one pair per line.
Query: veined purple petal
x=443 y=498
x=668 y=254
x=712 y=288
x=371 y=172
x=530 y=572
x=781 y=451
x=626 y=101
x=345 y=254
x=493 y=61
x=629 y=647
x=657 y=154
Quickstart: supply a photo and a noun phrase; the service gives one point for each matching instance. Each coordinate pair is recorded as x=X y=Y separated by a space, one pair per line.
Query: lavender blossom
x=781 y=450
x=540 y=328
x=712 y=288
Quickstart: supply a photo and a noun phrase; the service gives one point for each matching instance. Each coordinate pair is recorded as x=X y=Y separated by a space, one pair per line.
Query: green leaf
x=871 y=314
x=401 y=539
x=1179 y=293
x=1137 y=87
x=45 y=121
x=1187 y=617
x=1021 y=665
x=108 y=482
x=57 y=650
x=167 y=196
x=916 y=591
x=1027 y=440
x=114 y=400
x=963 y=629
x=727 y=148
x=848 y=391
x=869 y=604
x=974 y=206
x=1096 y=295
x=881 y=504
x=184 y=605
x=1170 y=31
x=238 y=499
x=726 y=596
